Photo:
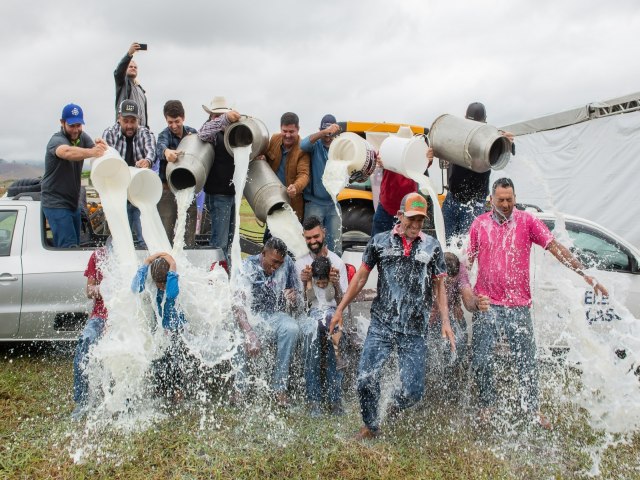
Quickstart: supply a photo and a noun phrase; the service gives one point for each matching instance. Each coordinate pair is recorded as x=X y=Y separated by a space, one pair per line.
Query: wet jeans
x=90 y=335
x=331 y=222
x=382 y=221
x=516 y=325
x=223 y=220
x=458 y=217
x=313 y=350
x=377 y=349
x=65 y=226
x=133 y=214
x=278 y=328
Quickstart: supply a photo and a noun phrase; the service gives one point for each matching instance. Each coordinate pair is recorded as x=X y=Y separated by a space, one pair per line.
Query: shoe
x=337 y=409
x=282 y=399
x=315 y=410
x=79 y=413
x=543 y=421
x=366 y=433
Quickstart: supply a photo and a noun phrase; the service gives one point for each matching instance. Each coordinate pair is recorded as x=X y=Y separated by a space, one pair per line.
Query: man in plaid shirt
x=137 y=146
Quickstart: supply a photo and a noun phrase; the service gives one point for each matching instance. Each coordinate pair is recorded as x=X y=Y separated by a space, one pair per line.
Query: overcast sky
x=373 y=60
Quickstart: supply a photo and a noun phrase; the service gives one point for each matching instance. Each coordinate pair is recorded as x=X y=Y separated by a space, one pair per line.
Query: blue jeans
x=377 y=349
x=133 y=214
x=65 y=226
x=458 y=217
x=516 y=325
x=278 y=328
x=382 y=221
x=90 y=335
x=331 y=221
x=313 y=359
x=222 y=210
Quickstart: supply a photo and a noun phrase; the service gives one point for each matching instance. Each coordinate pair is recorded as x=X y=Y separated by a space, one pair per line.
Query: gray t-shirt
x=61 y=181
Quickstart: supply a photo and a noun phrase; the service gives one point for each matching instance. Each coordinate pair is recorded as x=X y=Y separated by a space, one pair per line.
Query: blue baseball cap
x=327 y=120
x=72 y=114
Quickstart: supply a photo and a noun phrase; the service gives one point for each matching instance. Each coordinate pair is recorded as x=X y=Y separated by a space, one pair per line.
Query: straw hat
x=217 y=105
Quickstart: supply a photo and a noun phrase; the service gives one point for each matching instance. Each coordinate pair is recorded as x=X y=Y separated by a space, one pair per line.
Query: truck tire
x=24 y=185
x=357 y=217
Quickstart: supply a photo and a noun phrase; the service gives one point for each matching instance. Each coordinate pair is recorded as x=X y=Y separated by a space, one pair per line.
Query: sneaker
x=366 y=433
x=79 y=413
x=315 y=410
x=337 y=409
x=282 y=399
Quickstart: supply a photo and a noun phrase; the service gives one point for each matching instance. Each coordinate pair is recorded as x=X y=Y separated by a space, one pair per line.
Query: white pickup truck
x=42 y=288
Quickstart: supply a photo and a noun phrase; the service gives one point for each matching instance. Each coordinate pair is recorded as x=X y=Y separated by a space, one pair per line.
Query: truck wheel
x=357 y=218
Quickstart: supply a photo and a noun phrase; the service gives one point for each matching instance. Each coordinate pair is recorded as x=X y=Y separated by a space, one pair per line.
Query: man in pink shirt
x=501 y=240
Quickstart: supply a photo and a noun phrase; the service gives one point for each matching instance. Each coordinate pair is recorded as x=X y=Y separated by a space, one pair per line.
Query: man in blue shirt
x=166 y=152
x=411 y=272
x=269 y=286
x=317 y=201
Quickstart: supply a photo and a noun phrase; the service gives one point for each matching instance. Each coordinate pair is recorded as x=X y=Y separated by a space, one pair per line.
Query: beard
x=316 y=247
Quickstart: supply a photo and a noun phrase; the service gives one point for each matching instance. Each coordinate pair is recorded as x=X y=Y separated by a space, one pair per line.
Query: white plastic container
x=358 y=154
x=406 y=156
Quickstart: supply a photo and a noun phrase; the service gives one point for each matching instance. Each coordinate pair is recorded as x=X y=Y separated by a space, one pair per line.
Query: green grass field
x=212 y=440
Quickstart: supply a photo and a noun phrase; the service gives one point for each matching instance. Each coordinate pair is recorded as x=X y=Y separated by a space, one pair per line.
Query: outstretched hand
x=447 y=333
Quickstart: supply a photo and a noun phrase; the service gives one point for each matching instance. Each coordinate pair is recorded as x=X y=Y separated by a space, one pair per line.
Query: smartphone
x=143 y=46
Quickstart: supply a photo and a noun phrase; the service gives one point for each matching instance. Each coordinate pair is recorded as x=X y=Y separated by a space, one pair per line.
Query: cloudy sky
x=373 y=60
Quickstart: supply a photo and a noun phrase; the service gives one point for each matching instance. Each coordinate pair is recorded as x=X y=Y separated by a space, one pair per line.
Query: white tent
x=584 y=162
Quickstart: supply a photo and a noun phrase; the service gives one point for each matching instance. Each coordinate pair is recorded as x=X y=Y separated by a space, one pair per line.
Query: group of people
x=281 y=301
x=288 y=155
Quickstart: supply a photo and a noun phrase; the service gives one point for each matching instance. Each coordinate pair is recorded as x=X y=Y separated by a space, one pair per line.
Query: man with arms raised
x=501 y=240
x=411 y=273
x=127 y=85
x=63 y=162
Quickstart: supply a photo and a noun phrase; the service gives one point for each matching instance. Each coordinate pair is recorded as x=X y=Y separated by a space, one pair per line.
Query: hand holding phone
x=143 y=46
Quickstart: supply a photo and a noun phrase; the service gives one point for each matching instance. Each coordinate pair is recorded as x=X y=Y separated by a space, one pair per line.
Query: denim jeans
x=458 y=217
x=222 y=210
x=65 y=226
x=331 y=221
x=516 y=325
x=90 y=335
x=377 y=349
x=313 y=348
x=133 y=214
x=382 y=221
x=278 y=328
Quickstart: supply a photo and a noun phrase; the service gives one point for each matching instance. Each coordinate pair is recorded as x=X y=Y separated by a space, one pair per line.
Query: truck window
x=7 y=225
x=594 y=249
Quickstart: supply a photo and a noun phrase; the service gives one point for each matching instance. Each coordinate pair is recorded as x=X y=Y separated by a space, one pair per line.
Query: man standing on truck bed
x=127 y=86
x=63 y=162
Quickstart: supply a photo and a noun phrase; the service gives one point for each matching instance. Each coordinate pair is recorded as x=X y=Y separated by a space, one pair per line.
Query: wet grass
x=438 y=439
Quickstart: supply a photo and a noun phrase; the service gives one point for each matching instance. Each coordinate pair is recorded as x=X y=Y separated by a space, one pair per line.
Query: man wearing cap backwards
x=289 y=161
x=63 y=162
x=468 y=190
x=218 y=186
x=317 y=201
x=501 y=240
x=166 y=152
x=127 y=86
x=137 y=146
x=411 y=273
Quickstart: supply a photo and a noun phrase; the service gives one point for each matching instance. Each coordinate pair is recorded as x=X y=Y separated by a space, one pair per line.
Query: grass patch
x=212 y=440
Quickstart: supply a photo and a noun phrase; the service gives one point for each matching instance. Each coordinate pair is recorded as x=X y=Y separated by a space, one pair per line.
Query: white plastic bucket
x=406 y=156
x=144 y=192
x=356 y=152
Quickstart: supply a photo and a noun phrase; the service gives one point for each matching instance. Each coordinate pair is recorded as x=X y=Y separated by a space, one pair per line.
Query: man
x=218 y=186
x=468 y=190
x=127 y=86
x=411 y=272
x=270 y=288
x=63 y=162
x=317 y=201
x=393 y=188
x=137 y=146
x=289 y=162
x=166 y=152
x=316 y=334
x=92 y=331
x=500 y=241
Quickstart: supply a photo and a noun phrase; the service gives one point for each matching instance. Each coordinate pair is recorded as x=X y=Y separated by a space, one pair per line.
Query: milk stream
x=283 y=223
